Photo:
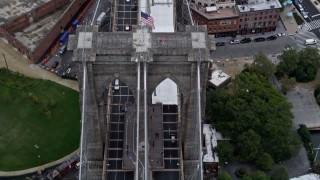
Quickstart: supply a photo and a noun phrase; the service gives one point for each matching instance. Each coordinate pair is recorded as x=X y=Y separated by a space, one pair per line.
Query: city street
x=249 y=49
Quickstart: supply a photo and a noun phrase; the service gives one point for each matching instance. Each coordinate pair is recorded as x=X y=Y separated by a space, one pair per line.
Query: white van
x=310 y=41
x=116 y=85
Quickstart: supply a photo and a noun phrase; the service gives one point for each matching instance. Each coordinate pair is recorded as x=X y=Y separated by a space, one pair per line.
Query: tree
x=287 y=84
x=225 y=151
x=304 y=133
x=248 y=144
x=262 y=65
x=256 y=116
x=288 y=62
x=241 y=172
x=259 y=175
x=224 y=176
x=280 y=173
x=264 y=161
x=310 y=56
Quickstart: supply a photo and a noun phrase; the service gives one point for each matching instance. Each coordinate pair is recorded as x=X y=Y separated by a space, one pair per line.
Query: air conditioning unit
x=252 y=9
x=272 y=6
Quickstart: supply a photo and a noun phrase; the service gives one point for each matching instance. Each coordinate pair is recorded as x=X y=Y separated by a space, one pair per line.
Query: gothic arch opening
x=166 y=93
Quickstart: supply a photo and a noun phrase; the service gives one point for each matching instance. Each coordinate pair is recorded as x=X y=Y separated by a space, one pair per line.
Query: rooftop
x=33 y=34
x=10 y=9
x=219 y=14
x=218 y=77
x=162 y=12
x=259 y=5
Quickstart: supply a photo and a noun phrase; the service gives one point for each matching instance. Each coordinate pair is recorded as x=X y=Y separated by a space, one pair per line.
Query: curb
x=38 y=168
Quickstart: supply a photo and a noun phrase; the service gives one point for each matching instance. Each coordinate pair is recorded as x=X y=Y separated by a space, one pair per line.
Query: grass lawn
x=36 y=112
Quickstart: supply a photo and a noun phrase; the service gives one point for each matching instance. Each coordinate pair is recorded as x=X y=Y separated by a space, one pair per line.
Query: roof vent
x=252 y=9
x=242 y=7
x=271 y=6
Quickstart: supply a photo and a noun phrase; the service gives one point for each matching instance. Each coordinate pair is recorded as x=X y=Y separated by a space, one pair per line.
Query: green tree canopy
x=310 y=56
x=288 y=61
x=262 y=65
x=304 y=133
x=280 y=173
x=259 y=175
x=264 y=161
x=248 y=144
x=287 y=83
x=225 y=151
x=253 y=104
x=224 y=176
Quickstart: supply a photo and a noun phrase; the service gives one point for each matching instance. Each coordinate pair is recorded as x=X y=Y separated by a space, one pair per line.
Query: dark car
x=220 y=44
x=55 y=64
x=270 y=38
x=259 y=39
x=245 y=40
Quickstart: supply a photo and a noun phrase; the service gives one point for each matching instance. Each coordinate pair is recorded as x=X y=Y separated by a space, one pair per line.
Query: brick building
x=258 y=16
x=221 y=19
x=225 y=18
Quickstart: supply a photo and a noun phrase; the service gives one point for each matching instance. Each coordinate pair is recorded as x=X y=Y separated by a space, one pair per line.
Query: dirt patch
x=18 y=63
x=233 y=66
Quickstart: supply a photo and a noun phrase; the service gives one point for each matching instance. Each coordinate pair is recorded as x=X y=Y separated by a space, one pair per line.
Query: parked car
x=310 y=41
x=220 y=44
x=234 y=41
x=270 y=38
x=245 y=40
x=300 y=7
x=305 y=15
x=259 y=39
x=54 y=66
x=281 y=34
x=62 y=49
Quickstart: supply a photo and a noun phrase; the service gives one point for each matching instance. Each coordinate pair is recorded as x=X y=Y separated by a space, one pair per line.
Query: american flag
x=148 y=20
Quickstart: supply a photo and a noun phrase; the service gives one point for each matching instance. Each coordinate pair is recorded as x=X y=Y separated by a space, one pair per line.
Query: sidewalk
x=18 y=63
x=39 y=168
x=289 y=22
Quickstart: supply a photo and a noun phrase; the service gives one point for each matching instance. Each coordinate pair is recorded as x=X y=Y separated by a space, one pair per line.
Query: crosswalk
x=302 y=36
x=313 y=24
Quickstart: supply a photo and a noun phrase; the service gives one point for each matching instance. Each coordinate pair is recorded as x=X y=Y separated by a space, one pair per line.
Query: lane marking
x=315 y=15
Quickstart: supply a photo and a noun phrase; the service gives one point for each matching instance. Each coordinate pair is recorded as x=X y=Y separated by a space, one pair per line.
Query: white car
x=127 y=28
x=127 y=0
x=280 y=34
x=305 y=15
x=235 y=41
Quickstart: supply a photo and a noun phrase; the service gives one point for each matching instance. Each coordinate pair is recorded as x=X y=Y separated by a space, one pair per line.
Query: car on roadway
x=127 y=0
x=116 y=84
x=259 y=39
x=127 y=27
x=245 y=40
x=173 y=138
x=270 y=38
x=300 y=7
x=220 y=44
x=235 y=41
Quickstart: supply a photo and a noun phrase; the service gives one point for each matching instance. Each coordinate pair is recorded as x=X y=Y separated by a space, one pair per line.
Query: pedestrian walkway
x=313 y=25
x=38 y=168
x=289 y=22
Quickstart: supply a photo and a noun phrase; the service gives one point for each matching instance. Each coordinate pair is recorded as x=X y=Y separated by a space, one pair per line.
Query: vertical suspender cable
x=199 y=117
x=138 y=104
x=146 y=141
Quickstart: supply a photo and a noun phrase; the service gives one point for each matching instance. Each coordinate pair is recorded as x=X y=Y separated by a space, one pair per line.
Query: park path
x=18 y=63
x=38 y=168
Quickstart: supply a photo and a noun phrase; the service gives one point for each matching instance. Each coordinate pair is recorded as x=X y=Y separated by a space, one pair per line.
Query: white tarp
x=166 y=93
x=310 y=176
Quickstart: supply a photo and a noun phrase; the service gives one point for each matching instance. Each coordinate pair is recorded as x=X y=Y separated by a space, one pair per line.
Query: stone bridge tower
x=106 y=56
